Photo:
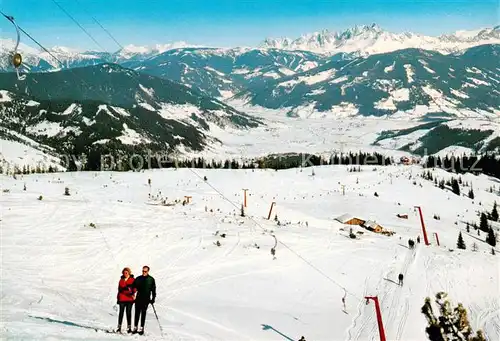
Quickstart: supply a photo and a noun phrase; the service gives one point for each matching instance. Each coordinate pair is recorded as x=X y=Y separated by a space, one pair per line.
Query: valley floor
x=299 y=135
x=59 y=275
x=328 y=135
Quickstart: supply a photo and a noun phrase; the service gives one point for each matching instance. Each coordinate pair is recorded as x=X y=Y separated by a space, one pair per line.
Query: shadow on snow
x=69 y=323
x=268 y=327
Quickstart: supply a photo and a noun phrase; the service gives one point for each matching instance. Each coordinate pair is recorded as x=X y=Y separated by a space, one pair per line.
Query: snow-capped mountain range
x=366 y=40
x=360 y=40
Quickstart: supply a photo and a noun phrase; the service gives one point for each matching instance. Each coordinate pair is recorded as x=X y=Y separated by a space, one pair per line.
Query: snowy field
x=321 y=135
x=59 y=275
x=282 y=134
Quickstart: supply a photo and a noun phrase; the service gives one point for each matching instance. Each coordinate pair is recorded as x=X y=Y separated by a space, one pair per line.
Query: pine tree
x=493 y=251
x=471 y=194
x=66 y=191
x=455 y=187
x=483 y=223
x=460 y=242
x=452 y=324
x=491 y=238
x=494 y=212
x=441 y=184
x=474 y=247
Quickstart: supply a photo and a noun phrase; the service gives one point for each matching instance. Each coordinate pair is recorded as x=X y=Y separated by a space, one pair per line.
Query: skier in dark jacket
x=125 y=298
x=146 y=293
x=400 y=277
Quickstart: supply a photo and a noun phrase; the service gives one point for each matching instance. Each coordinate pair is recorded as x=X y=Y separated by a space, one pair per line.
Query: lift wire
x=100 y=25
x=46 y=50
x=78 y=24
x=272 y=235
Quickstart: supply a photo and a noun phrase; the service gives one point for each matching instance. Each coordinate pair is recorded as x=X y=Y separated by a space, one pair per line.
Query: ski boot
x=129 y=329
x=119 y=329
x=134 y=331
x=141 y=331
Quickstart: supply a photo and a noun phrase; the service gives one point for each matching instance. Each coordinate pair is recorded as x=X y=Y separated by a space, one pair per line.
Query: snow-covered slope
x=19 y=151
x=366 y=40
x=78 y=110
x=447 y=137
x=64 y=273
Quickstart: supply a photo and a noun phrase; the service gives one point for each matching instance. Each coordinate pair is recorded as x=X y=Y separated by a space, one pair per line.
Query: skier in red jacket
x=125 y=298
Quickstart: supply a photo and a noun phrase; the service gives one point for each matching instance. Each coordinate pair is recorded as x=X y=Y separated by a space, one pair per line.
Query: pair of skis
x=112 y=331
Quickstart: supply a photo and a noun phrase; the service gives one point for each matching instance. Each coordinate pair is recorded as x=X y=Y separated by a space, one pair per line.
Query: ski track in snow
x=207 y=292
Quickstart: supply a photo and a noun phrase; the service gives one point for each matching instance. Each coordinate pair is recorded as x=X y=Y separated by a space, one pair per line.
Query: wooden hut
x=373 y=226
x=349 y=219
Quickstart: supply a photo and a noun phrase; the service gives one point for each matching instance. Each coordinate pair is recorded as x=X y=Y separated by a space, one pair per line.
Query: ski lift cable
x=33 y=39
x=77 y=23
x=276 y=240
x=60 y=63
x=346 y=292
x=100 y=25
x=18 y=28
x=93 y=39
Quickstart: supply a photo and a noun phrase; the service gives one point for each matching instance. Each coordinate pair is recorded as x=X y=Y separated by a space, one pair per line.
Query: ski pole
x=157 y=319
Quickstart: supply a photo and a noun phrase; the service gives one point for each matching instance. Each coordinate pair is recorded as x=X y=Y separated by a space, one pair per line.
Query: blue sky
x=232 y=22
